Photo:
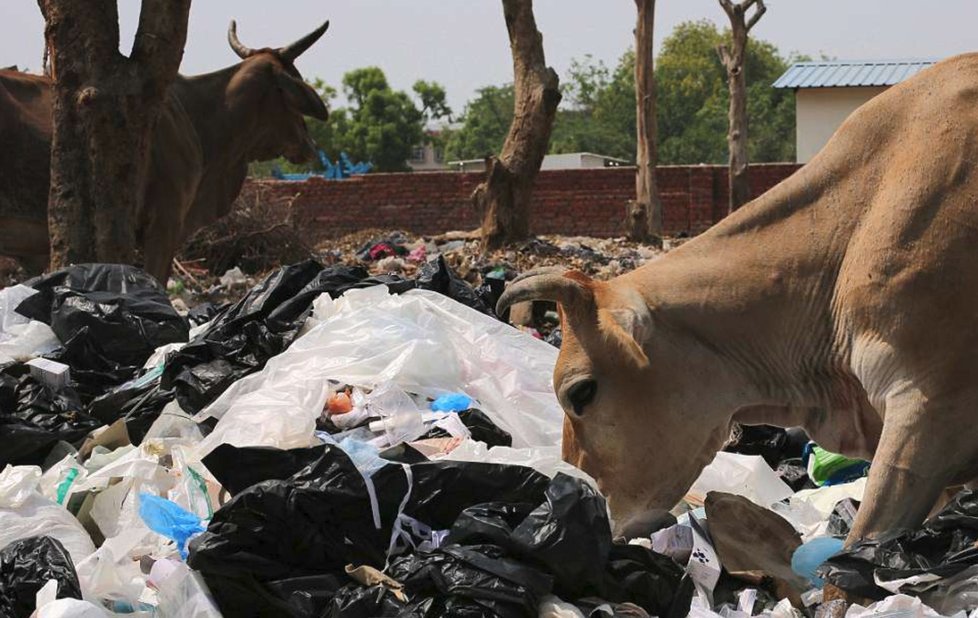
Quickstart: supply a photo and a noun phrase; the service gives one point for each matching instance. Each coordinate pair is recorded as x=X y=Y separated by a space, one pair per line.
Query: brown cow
x=842 y=300
x=211 y=127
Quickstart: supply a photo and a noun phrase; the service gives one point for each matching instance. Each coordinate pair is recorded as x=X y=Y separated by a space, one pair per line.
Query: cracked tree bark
x=503 y=198
x=733 y=58
x=643 y=220
x=105 y=108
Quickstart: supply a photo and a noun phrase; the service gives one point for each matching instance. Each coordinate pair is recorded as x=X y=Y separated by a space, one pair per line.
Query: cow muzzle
x=304 y=152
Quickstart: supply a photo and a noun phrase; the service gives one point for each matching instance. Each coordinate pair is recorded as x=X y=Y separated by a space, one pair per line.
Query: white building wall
x=820 y=111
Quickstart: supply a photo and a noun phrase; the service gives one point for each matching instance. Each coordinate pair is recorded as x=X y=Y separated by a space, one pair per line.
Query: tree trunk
x=503 y=199
x=737 y=140
x=105 y=108
x=644 y=216
x=733 y=61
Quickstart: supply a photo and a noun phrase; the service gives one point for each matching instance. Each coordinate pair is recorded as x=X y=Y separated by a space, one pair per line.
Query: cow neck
x=227 y=133
x=756 y=291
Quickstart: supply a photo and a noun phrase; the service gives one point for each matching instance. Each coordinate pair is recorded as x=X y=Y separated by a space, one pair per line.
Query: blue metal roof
x=849 y=73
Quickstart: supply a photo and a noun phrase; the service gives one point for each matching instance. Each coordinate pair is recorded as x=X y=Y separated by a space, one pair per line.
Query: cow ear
x=624 y=323
x=301 y=97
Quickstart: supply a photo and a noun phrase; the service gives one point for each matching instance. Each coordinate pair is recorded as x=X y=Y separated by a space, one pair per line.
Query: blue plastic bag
x=808 y=557
x=169 y=519
x=453 y=402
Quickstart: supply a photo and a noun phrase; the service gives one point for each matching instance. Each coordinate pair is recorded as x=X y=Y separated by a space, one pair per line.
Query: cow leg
x=159 y=249
x=912 y=466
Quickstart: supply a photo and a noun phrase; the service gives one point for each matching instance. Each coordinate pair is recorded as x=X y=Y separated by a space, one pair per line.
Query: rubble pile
x=355 y=439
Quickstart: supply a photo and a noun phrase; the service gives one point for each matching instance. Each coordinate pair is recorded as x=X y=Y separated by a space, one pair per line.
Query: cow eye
x=581 y=394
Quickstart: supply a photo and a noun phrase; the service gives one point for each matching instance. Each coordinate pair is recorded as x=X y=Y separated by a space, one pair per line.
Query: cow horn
x=242 y=51
x=543 y=284
x=293 y=51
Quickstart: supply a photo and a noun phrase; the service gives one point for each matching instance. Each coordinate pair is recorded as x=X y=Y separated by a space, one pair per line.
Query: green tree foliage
x=484 y=124
x=599 y=110
x=434 y=105
x=693 y=99
x=380 y=125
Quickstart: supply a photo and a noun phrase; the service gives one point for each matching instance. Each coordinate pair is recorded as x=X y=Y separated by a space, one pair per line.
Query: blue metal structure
x=850 y=73
x=340 y=170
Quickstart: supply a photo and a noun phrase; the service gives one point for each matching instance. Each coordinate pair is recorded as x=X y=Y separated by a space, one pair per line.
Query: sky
x=463 y=45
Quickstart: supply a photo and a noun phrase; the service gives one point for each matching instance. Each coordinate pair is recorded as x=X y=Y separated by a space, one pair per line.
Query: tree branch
x=160 y=37
x=727 y=7
x=758 y=13
x=725 y=57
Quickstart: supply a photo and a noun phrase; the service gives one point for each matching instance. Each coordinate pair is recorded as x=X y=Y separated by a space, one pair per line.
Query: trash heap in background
x=338 y=443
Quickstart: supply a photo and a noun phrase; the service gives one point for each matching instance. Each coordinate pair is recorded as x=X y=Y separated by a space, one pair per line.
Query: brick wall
x=586 y=202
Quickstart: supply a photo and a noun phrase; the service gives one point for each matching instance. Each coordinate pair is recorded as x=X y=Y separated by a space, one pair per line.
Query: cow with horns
x=211 y=127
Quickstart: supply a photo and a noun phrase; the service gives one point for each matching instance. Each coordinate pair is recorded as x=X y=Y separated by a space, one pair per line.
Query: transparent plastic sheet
x=743 y=475
x=25 y=512
x=420 y=341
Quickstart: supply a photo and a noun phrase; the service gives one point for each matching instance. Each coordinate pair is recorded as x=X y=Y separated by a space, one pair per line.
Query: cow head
x=269 y=78
x=635 y=417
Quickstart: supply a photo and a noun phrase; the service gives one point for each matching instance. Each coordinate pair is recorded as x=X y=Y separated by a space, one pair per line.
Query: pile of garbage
x=345 y=443
x=206 y=272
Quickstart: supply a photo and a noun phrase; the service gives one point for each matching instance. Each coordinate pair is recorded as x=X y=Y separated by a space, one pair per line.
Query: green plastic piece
x=65 y=485
x=823 y=465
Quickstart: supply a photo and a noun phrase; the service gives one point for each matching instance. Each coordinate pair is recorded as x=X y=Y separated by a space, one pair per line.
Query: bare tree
x=105 y=108
x=643 y=221
x=733 y=61
x=503 y=199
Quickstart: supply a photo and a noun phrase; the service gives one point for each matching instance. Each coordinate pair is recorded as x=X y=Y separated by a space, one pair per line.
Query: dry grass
x=259 y=234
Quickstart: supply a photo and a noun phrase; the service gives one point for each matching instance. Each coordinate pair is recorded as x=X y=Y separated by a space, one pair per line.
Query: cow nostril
x=580 y=394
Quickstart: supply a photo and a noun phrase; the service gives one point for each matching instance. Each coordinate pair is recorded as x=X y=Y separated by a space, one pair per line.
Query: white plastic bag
x=421 y=341
x=182 y=593
x=70 y=608
x=22 y=338
x=898 y=606
x=553 y=607
x=744 y=475
x=25 y=512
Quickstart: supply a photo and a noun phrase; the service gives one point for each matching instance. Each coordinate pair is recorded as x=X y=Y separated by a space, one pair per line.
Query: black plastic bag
x=480 y=427
x=774 y=444
x=321 y=518
x=241 y=339
x=354 y=601
x=139 y=401
x=437 y=276
x=489 y=523
x=944 y=546
x=203 y=313
x=237 y=469
x=570 y=534
x=480 y=580
x=441 y=490
x=312 y=524
x=34 y=417
x=26 y=566
x=640 y=576
x=105 y=315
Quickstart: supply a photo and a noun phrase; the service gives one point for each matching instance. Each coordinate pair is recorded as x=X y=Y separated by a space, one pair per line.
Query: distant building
x=826 y=92
x=566 y=161
x=427 y=158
